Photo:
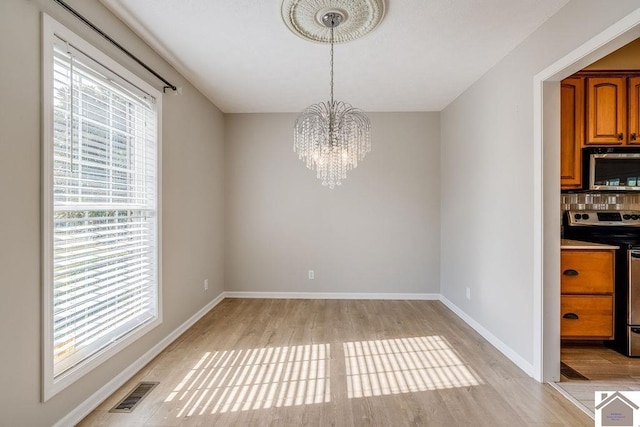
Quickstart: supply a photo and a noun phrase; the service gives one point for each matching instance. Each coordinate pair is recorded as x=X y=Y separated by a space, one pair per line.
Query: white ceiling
x=424 y=54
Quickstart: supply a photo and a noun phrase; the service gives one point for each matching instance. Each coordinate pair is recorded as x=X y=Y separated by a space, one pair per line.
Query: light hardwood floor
x=606 y=369
x=336 y=362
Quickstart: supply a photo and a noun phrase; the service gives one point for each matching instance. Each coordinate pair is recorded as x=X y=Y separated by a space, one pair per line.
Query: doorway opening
x=547 y=221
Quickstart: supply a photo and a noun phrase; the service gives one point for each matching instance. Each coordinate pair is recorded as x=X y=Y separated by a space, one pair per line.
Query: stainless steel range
x=620 y=228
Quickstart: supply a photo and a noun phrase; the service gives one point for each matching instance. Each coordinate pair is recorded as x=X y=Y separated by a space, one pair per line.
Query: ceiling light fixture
x=332 y=137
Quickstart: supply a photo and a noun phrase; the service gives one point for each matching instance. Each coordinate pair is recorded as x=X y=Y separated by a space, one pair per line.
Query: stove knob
x=585 y=216
x=634 y=216
x=626 y=216
x=577 y=216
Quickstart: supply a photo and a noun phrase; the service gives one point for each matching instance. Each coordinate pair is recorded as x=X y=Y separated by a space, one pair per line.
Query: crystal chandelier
x=332 y=137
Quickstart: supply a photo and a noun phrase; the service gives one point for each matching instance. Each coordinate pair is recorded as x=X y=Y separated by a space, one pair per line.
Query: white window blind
x=104 y=283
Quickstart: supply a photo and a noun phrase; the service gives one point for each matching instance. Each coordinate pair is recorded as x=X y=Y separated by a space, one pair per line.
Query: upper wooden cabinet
x=634 y=110
x=606 y=111
x=571 y=131
x=597 y=108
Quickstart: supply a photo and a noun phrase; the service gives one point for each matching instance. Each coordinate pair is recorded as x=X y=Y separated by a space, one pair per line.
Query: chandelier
x=332 y=137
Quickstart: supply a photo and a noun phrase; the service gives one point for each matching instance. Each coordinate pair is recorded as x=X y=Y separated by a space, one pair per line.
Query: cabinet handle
x=571 y=316
x=633 y=136
x=620 y=136
x=635 y=330
x=570 y=272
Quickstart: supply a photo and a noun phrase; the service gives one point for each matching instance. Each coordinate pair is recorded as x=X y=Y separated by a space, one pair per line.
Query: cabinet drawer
x=586 y=272
x=594 y=316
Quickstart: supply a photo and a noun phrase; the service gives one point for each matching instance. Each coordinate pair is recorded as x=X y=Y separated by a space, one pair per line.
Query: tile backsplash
x=600 y=201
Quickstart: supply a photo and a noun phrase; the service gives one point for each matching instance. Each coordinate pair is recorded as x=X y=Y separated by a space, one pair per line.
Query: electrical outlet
x=311 y=275
x=468 y=293
x=206 y=284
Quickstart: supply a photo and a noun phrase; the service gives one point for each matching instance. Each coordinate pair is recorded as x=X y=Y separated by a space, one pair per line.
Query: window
x=101 y=218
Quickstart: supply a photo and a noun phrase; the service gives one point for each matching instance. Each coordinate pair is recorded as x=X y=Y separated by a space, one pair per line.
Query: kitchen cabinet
x=596 y=108
x=587 y=288
x=634 y=110
x=571 y=131
x=606 y=111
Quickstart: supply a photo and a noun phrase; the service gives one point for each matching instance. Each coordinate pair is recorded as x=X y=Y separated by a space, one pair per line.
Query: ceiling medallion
x=304 y=18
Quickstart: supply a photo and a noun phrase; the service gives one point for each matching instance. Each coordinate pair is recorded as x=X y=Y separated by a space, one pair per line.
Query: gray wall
x=377 y=233
x=192 y=206
x=487 y=166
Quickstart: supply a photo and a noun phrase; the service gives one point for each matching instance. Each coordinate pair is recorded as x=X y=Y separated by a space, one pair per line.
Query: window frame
x=52 y=385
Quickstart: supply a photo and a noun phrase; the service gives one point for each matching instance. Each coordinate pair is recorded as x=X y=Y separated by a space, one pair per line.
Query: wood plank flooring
x=336 y=362
x=606 y=369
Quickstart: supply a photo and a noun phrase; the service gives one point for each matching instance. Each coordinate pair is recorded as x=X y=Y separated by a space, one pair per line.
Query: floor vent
x=570 y=373
x=136 y=395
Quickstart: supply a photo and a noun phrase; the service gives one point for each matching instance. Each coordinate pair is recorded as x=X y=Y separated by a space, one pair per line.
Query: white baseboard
x=493 y=340
x=85 y=408
x=331 y=295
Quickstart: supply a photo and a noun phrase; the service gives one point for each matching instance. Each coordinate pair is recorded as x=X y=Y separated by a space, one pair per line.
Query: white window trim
x=51 y=386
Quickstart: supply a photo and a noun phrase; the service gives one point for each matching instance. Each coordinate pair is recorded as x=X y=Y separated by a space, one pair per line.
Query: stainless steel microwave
x=611 y=168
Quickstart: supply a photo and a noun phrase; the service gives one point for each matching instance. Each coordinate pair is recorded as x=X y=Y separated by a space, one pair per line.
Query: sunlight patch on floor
x=260 y=378
x=404 y=365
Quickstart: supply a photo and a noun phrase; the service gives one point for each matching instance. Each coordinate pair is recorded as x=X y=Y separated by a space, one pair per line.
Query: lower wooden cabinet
x=587 y=272
x=587 y=287
x=587 y=316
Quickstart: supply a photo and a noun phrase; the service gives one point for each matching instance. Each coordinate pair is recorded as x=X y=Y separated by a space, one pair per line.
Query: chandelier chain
x=331 y=73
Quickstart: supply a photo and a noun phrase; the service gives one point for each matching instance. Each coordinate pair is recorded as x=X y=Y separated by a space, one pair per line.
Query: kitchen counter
x=575 y=244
